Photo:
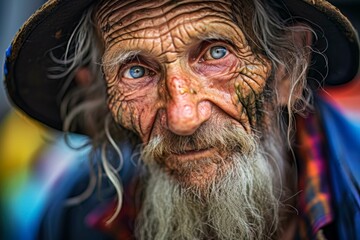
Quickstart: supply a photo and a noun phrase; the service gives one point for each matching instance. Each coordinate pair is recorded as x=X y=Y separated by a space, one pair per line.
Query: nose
x=185 y=109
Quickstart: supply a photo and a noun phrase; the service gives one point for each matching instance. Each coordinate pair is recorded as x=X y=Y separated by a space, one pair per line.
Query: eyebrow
x=111 y=60
x=213 y=36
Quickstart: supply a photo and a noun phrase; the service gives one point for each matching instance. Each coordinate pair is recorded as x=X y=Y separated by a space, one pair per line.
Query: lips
x=195 y=154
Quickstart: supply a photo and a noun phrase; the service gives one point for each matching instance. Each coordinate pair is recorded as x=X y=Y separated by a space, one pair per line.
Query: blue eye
x=218 y=52
x=135 y=72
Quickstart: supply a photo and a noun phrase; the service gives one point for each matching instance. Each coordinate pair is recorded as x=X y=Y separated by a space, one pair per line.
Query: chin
x=198 y=174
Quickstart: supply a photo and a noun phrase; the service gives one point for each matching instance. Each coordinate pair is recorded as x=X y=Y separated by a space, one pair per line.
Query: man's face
x=174 y=69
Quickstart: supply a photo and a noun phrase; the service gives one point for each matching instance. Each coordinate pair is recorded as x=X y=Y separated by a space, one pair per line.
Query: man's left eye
x=216 y=52
x=135 y=72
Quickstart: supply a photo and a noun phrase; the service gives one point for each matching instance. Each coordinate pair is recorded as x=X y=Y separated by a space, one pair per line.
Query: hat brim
x=27 y=63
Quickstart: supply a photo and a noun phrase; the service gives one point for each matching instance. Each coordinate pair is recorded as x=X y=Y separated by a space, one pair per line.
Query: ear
x=83 y=77
x=301 y=36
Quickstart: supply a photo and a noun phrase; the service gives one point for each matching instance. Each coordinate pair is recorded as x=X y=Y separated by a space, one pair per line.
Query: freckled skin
x=183 y=87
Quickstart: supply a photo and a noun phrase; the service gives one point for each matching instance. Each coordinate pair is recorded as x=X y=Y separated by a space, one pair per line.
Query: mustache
x=223 y=137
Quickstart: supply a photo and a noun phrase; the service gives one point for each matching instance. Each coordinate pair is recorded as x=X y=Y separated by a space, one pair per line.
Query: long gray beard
x=241 y=204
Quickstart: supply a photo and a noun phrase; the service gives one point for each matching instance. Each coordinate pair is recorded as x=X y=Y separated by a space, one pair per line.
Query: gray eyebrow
x=213 y=36
x=119 y=57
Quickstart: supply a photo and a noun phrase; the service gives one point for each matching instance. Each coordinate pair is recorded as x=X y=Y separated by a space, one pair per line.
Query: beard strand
x=241 y=202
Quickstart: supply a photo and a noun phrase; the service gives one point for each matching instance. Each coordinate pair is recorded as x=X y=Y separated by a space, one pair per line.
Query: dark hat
x=27 y=59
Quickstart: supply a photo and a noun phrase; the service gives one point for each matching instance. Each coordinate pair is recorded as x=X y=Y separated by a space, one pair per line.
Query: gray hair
x=88 y=104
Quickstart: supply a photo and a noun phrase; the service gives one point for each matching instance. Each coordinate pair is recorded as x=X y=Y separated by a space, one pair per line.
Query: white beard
x=242 y=203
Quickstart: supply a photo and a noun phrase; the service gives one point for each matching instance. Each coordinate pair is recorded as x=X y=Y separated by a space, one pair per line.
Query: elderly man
x=209 y=89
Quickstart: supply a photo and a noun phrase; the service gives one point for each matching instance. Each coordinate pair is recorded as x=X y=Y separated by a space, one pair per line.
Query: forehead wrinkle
x=104 y=13
x=171 y=14
x=229 y=33
x=193 y=28
x=114 y=6
x=172 y=21
x=108 y=8
x=175 y=20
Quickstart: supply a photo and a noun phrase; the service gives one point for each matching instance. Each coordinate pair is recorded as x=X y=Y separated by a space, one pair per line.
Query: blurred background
x=13 y=13
x=31 y=166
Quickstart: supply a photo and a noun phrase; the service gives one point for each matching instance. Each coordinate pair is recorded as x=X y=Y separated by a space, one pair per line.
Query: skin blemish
x=192 y=91
x=188 y=110
x=183 y=91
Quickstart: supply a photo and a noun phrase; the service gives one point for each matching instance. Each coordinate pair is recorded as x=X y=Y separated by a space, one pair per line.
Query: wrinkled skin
x=183 y=85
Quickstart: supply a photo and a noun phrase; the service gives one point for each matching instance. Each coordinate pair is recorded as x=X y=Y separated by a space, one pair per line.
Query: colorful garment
x=340 y=113
x=314 y=195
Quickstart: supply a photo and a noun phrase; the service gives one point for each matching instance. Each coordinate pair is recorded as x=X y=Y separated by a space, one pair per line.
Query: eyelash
x=206 y=46
x=126 y=68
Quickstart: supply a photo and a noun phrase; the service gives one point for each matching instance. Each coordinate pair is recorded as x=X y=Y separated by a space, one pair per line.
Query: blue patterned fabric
x=343 y=146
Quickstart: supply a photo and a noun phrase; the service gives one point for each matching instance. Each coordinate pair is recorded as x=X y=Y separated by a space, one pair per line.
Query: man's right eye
x=135 y=72
x=216 y=52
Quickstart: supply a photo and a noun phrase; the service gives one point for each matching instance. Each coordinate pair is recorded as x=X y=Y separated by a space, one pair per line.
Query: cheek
x=120 y=108
x=248 y=88
x=237 y=92
x=249 y=83
x=133 y=110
